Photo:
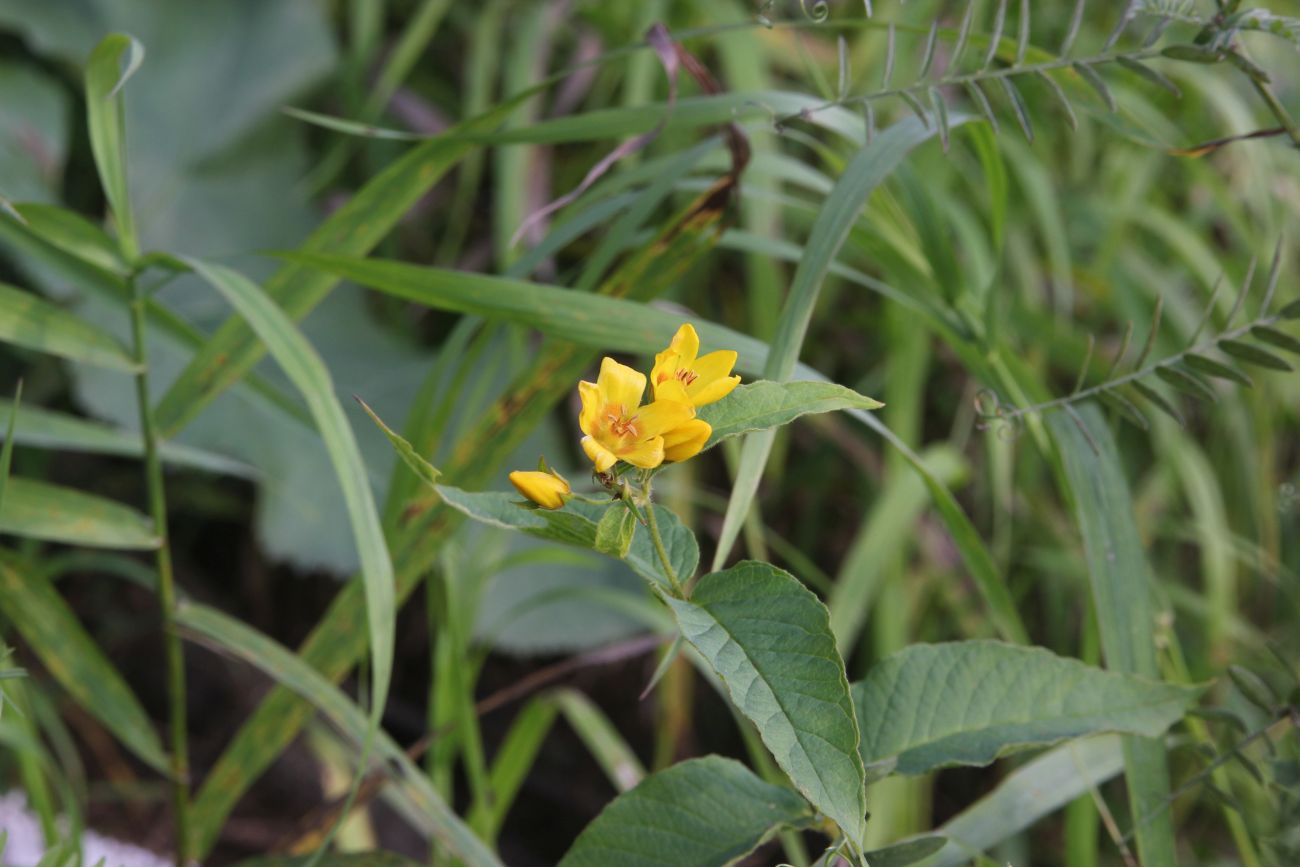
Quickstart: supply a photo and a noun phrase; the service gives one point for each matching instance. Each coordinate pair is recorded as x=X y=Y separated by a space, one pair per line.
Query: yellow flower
x=686 y=440
x=705 y=379
x=549 y=490
x=617 y=427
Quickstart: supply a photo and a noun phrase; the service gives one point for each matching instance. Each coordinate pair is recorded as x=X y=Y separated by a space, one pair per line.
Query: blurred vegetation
x=1069 y=275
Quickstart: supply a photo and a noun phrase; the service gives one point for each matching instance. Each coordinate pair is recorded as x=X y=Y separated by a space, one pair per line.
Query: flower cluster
x=617 y=427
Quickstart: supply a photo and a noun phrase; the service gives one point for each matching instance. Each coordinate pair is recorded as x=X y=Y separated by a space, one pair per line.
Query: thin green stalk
x=175 y=660
x=652 y=524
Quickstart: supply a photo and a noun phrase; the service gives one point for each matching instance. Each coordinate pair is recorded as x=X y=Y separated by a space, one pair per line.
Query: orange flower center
x=684 y=375
x=619 y=424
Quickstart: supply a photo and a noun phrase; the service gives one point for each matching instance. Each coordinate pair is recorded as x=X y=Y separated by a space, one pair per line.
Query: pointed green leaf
x=39 y=510
x=769 y=639
x=1272 y=336
x=576 y=524
x=1159 y=401
x=27 y=319
x=39 y=614
x=1252 y=354
x=1094 y=80
x=1018 y=106
x=1217 y=369
x=1186 y=381
x=970 y=702
x=765 y=404
x=1142 y=70
x=1290 y=310
x=74 y=234
x=105 y=76
x=427 y=472
x=1126 y=408
x=700 y=811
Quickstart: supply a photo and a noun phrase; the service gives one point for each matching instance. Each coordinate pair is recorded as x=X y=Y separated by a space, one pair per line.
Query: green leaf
x=1121 y=590
x=7 y=452
x=764 y=404
x=615 y=531
x=104 y=79
x=74 y=234
x=75 y=661
x=576 y=524
x=1186 y=381
x=39 y=510
x=907 y=852
x=769 y=639
x=701 y=811
x=1291 y=310
x=308 y=373
x=1252 y=354
x=27 y=319
x=1217 y=369
x=290 y=670
x=1038 y=788
x=970 y=702
x=1280 y=339
x=837 y=215
x=427 y=472
x=47 y=429
x=1159 y=401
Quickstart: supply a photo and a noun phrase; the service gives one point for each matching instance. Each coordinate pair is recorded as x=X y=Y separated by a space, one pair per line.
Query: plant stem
x=652 y=524
x=175 y=660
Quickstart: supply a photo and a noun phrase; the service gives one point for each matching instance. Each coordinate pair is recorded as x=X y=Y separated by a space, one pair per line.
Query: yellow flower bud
x=686 y=440
x=548 y=490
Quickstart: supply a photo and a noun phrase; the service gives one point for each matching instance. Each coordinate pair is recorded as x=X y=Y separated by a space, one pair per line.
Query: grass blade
x=104 y=79
x=1121 y=587
x=73 y=659
x=869 y=167
x=39 y=510
x=27 y=319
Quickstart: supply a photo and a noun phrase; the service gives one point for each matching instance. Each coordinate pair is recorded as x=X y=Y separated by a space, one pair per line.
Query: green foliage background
x=1045 y=235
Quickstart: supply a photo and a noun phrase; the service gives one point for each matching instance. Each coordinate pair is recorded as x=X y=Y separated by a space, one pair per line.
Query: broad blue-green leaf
x=1121 y=591
x=765 y=404
x=769 y=639
x=576 y=524
x=72 y=658
x=39 y=510
x=907 y=852
x=34 y=118
x=969 y=702
x=27 y=319
x=707 y=811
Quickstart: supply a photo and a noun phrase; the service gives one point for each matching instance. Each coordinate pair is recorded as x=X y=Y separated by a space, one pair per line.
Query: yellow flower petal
x=665 y=369
x=591 y=407
x=686 y=343
x=686 y=440
x=620 y=385
x=547 y=490
x=716 y=390
x=662 y=415
x=645 y=454
x=602 y=457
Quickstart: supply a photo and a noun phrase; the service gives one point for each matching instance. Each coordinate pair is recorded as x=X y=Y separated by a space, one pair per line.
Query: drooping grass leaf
x=769 y=639
x=294 y=673
x=701 y=811
x=970 y=702
x=48 y=429
x=309 y=375
x=26 y=319
x=39 y=510
x=74 y=234
x=43 y=619
x=105 y=76
x=765 y=404
x=867 y=170
x=1121 y=589
x=1042 y=786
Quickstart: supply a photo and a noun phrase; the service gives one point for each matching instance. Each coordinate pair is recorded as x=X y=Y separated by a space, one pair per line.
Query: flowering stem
x=652 y=524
